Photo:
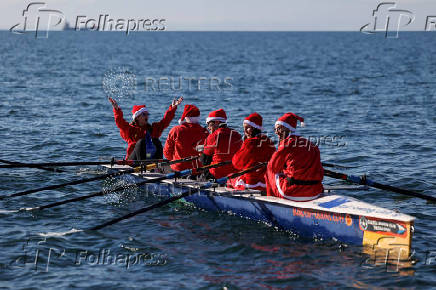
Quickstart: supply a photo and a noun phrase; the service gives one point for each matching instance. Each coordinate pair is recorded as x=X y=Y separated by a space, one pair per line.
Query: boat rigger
x=336 y=217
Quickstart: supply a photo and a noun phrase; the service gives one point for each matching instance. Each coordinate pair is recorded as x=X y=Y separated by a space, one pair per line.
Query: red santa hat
x=289 y=120
x=138 y=110
x=218 y=115
x=191 y=114
x=254 y=120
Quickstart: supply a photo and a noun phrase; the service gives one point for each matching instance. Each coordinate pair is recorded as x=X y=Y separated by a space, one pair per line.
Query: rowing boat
x=381 y=231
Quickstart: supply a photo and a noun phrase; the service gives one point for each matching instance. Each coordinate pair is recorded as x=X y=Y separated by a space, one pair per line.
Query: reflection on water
x=54 y=108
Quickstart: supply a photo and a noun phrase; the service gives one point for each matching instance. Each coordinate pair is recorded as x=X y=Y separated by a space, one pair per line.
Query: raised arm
x=159 y=127
x=118 y=115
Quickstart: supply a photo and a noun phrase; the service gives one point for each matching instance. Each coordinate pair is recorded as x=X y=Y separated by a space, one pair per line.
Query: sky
x=230 y=15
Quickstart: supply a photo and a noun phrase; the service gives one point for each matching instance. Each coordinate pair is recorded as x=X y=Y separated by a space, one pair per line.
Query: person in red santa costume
x=256 y=148
x=183 y=139
x=294 y=171
x=221 y=144
x=142 y=137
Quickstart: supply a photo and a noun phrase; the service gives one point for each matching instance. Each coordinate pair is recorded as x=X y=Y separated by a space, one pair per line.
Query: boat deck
x=334 y=216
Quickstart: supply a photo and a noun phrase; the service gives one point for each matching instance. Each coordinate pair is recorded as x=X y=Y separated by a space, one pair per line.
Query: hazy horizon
x=227 y=15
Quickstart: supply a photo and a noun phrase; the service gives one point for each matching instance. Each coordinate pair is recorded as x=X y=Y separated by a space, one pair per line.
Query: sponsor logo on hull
x=331 y=217
x=383 y=226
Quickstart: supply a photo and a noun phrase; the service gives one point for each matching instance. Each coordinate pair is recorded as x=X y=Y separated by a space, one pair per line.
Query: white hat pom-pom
x=302 y=124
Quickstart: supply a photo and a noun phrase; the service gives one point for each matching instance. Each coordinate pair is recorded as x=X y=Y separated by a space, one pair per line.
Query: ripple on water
x=341 y=83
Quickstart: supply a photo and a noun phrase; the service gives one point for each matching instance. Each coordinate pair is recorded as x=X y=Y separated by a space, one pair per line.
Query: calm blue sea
x=367 y=100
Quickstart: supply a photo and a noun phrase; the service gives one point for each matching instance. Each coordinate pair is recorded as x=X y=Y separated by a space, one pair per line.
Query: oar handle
x=325 y=164
x=187 y=172
x=223 y=180
x=365 y=181
x=210 y=166
x=100 y=193
x=75 y=182
x=176 y=197
x=151 y=166
x=164 y=202
x=81 y=163
x=52 y=164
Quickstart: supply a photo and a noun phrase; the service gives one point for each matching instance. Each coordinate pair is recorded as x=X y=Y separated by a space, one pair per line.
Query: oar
x=80 y=181
x=325 y=164
x=365 y=181
x=176 y=197
x=103 y=192
x=80 y=163
x=39 y=167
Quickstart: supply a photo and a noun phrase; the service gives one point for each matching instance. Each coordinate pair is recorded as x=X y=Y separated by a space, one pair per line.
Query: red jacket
x=181 y=143
x=299 y=159
x=132 y=134
x=253 y=150
x=222 y=145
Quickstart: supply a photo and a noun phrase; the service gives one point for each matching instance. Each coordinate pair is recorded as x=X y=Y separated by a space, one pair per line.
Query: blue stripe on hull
x=321 y=225
x=305 y=222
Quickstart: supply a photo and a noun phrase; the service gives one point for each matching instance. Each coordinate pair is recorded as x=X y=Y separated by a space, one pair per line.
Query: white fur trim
x=192 y=119
x=199 y=148
x=246 y=185
x=302 y=124
x=252 y=124
x=286 y=125
x=208 y=119
x=181 y=122
x=139 y=112
x=293 y=198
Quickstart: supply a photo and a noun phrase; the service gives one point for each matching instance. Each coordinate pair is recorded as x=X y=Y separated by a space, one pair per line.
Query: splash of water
x=60 y=234
x=122 y=197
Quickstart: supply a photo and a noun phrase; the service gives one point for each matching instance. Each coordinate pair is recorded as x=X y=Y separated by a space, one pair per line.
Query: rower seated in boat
x=142 y=137
x=255 y=149
x=222 y=143
x=295 y=171
x=183 y=139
